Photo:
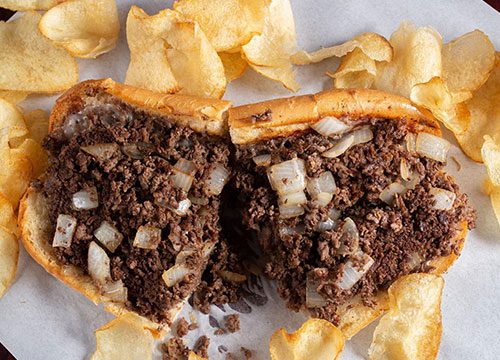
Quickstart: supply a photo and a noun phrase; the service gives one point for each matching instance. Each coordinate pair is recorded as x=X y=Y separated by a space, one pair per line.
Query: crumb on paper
x=232 y=323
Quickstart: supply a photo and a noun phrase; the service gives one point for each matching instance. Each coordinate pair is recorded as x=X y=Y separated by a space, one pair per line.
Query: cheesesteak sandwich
x=127 y=212
x=345 y=192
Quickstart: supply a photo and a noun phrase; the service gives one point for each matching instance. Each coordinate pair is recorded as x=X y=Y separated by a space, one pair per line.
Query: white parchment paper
x=40 y=318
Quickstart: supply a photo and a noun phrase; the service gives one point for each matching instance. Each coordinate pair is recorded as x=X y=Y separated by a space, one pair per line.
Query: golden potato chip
x=484 y=108
x=13 y=97
x=316 y=339
x=34 y=152
x=11 y=117
x=26 y=5
x=37 y=122
x=411 y=329
x=468 y=61
x=491 y=156
x=357 y=70
x=34 y=63
x=123 y=338
x=9 y=253
x=86 y=28
x=228 y=24
x=181 y=54
x=269 y=53
x=446 y=106
x=417 y=59
x=17 y=171
x=8 y=219
x=234 y=65
x=194 y=356
x=374 y=46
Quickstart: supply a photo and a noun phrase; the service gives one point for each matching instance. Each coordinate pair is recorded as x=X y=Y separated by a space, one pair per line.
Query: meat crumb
x=232 y=323
x=182 y=327
x=201 y=346
x=174 y=349
x=219 y=331
x=246 y=353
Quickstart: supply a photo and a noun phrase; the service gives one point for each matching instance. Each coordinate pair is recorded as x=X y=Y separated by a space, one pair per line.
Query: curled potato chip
x=269 y=53
x=123 y=338
x=7 y=217
x=468 y=61
x=234 y=65
x=316 y=339
x=357 y=70
x=35 y=64
x=374 y=46
x=484 y=108
x=228 y=24
x=417 y=59
x=490 y=152
x=411 y=329
x=86 y=28
x=13 y=97
x=9 y=253
x=34 y=152
x=26 y=5
x=175 y=50
x=37 y=122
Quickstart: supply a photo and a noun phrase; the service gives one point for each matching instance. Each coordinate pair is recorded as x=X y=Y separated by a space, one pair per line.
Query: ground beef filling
x=400 y=237
x=135 y=188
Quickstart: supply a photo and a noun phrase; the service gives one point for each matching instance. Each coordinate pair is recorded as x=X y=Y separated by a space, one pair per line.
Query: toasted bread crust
x=295 y=114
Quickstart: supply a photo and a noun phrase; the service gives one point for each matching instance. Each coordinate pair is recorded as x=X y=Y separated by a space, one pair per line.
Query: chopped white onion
x=324 y=183
x=288 y=230
x=182 y=207
x=208 y=247
x=351 y=275
x=75 y=123
x=198 y=200
x=323 y=199
x=334 y=214
x=183 y=255
x=108 y=235
x=339 y=147
x=101 y=151
x=411 y=142
x=295 y=198
x=65 y=228
x=414 y=261
x=186 y=166
x=262 y=160
x=313 y=298
x=431 y=146
x=414 y=179
x=217 y=178
x=181 y=180
x=115 y=291
x=387 y=195
x=327 y=225
x=290 y=211
x=405 y=170
x=175 y=274
x=147 y=237
x=136 y=150
x=330 y=125
x=98 y=264
x=288 y=176
x=86 y=199
x=349 y=231
x=444 y=199
x=232 y=276
x=362 y=135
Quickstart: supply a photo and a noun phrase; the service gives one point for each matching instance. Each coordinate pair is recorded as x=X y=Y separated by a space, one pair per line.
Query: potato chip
x=9 y=253
x=35 y=64
x=357 y=70
x=228 y=24
x=33 y=151
x=26 y=5
x=491 y=156
x=468 y=61
x=374 y=46
x=181 y=54
x=123 y=338
x=8 y=219
x=484 y=108
x=234 y=65
x=316 y=339
x=13 y=97
x=37 y=122
x=194 y=356
x=411 y=329
x=86 y=28
x=269 y=53
x=417 y=59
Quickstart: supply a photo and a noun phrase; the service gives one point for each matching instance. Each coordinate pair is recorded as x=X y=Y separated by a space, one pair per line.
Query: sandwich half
x=344 y=192
x=127 y=212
